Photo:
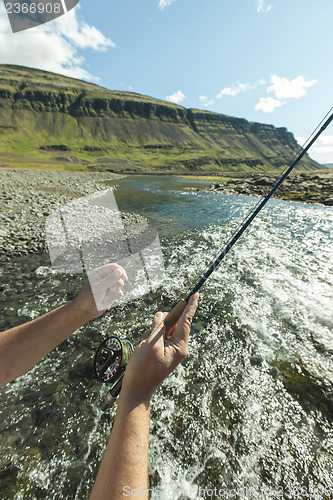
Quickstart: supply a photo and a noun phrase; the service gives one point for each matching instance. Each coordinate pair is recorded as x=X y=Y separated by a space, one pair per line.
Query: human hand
x=102 y=288
x=156 y=357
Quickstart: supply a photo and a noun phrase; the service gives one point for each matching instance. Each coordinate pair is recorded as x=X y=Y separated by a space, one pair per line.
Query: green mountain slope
x=51 y=121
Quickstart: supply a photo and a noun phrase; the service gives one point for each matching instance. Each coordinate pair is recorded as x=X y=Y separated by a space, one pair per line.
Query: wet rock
x=5 y=467
x=311 y=392
x=304 y=187
x=263 y=181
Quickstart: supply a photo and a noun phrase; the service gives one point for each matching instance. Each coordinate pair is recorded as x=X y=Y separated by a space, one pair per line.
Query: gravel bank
x=316 y=187
x=27 y=197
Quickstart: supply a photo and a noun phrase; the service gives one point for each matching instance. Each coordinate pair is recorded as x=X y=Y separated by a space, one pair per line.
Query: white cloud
x=176 y=97
x=324 y=144
x=286 y=89
x=234 y=89
x=237 y=88
x=261 y=8
x=283 y=89
x=326 y=140
x=268 y=104
x=205 y=101
x=164 y=3
x=54 y=46
x=301 y=140
x=322 y=150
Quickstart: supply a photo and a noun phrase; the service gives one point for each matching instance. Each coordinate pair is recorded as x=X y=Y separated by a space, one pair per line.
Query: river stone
x=304 y=187
x=23 y=221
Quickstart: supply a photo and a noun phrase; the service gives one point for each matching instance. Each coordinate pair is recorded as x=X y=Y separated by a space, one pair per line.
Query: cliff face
x=48 y=119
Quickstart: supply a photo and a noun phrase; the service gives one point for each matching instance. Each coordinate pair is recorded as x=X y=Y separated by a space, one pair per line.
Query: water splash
x=249 y=412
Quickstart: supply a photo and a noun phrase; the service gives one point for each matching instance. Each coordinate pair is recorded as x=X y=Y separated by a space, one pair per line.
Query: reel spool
x=110 y=364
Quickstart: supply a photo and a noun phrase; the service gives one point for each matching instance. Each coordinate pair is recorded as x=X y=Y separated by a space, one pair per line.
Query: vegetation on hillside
x=51 y=121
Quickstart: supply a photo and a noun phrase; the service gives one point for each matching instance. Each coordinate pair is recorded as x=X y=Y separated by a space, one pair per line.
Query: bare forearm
x=23 y=346
x=124 y=466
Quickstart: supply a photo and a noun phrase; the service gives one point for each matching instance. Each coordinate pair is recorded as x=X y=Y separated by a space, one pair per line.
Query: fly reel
x=110 y=364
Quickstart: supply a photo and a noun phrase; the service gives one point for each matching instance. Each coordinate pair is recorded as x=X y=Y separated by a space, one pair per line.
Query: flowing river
x=248 y=414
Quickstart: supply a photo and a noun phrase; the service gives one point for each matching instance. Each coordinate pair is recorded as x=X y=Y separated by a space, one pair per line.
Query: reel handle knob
x=107 y=402
x=173 y=317
x=112 y=395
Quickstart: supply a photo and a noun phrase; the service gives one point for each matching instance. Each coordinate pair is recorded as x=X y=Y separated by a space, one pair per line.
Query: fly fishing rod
x=109 y=365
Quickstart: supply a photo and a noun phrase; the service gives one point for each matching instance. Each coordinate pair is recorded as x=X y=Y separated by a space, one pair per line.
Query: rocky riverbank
x=27 y=197
x=314 y=187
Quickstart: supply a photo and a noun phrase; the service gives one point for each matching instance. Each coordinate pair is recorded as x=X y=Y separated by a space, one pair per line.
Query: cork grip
x=173 y=317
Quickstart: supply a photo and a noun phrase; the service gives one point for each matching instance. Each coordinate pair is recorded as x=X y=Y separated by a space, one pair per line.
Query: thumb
x=183 y=327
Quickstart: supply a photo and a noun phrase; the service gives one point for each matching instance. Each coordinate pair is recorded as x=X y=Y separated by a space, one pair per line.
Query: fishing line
x=262 y=202
x=283 y=175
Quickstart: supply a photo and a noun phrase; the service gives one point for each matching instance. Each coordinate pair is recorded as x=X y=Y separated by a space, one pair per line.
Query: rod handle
x=173 y=317
x=107 y=402
x=113 y=393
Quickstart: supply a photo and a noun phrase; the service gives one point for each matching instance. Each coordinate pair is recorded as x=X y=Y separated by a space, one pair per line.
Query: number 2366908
x=34 y=8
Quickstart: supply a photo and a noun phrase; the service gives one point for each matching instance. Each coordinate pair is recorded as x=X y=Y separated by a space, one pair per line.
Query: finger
x=112 y=279
x=117 y=286
x=182 y=330
x=123 y=272
x=108 y=269
x=158 y=323
x=111 y=297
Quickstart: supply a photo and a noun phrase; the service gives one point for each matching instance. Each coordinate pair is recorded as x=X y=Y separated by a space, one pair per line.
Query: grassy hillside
x=51 y=121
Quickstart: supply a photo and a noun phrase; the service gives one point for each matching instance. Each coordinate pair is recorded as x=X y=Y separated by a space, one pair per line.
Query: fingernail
x=159 y=316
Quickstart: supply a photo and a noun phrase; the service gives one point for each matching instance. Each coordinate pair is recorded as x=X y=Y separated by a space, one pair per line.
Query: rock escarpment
x=48 y=119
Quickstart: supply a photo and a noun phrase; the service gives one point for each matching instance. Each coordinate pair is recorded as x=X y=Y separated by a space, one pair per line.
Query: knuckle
x=188 y=320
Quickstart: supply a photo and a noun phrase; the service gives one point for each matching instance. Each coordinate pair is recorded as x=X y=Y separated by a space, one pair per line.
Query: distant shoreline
x=305 y=187
x=29 y=196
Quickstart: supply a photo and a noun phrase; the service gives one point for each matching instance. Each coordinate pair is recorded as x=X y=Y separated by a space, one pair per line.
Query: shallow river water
x=249 y=413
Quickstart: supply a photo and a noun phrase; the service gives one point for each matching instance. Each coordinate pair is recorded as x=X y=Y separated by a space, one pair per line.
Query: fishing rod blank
x=174 y=315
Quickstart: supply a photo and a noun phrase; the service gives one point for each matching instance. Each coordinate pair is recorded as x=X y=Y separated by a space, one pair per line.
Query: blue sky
x=264 y=60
